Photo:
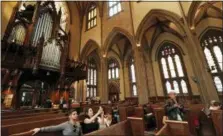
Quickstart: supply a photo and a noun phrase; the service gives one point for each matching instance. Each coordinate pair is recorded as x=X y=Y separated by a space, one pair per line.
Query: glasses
x=75 y=128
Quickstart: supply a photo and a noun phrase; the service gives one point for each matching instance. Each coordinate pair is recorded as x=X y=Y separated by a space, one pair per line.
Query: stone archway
x=114 y=91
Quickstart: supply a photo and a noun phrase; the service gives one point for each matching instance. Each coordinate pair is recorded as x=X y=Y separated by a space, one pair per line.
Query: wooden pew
x=191 y=113
x=29 y=119
x=137 y=126
x=130 y=127
x=159 y=113
x=28 y=115
x=22 y=127
x=138 y=112
x=29 y=133
x=125 y=112
x=217 y=121
x=18 y=112
x=121 y=128
x=174 y=128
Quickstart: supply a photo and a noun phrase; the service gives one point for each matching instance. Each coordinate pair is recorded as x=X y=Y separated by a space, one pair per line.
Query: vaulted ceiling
x=208 y=9
x=120 y=45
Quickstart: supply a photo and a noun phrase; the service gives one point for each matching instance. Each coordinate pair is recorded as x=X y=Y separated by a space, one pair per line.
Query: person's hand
x=102 y=113
x=36 y=130
x=175 y=105
x=100 y=110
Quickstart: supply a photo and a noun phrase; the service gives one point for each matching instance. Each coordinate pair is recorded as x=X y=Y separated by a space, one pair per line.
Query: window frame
x=91 y=85
x=91 y=9
x=177 y=78
x=116 y=66
x=108 y=7
x=211 y=33
x=131 y=62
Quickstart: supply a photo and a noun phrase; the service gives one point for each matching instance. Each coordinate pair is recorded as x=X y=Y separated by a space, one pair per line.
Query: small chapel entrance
x=33 y=93
x=113 y=92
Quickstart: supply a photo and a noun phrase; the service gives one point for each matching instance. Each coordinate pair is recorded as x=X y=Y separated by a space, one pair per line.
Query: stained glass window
x=92 y=17
x=92 y=78
x=114 y=7
x=132 y=77
x=212 y=43
x=113 y=69
x=172 y=69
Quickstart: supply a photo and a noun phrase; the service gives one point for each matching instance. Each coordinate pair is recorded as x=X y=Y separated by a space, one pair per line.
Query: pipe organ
x=36 y=44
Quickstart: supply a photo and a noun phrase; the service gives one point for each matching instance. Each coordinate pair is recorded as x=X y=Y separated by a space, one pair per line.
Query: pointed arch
x=191 y=13
x=167 y=37
x=89 y=47
x=111 y=36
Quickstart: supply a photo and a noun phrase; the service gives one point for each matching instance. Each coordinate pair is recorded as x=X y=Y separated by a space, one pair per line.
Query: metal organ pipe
x=44 y=25
x=18 y=34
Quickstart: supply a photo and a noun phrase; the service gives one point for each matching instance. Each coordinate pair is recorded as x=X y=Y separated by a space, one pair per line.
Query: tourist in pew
x=206 y=126
x=68 y=128
x=115 y=113
x=91 y=121
x=104 y=120
x=149 y=117
x=174 y=110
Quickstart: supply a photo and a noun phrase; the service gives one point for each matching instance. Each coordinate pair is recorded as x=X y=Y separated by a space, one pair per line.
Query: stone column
x=141 y=81
x=150 y=77
x=122 y=83
x=104 y=80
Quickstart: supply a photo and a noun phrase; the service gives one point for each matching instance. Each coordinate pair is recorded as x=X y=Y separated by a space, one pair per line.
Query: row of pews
x=131 y=123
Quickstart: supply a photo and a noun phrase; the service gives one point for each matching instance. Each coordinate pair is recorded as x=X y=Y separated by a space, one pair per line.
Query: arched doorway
x=114 y=91
x=33 y=93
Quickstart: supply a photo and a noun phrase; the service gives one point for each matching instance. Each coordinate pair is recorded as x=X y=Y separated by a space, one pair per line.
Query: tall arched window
x=212 y=43
x=113 y=69
x=132 y=77
x=91 y=17
x=18 y=34
x=173 y=73
x=92 y=78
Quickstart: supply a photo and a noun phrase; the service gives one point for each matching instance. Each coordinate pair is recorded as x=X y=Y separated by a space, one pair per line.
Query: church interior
x=129 y=68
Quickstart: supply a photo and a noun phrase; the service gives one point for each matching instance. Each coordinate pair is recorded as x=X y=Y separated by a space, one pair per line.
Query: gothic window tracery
x=172 y=69
x=212 y=45
x=113 y=69
x=92 y=78
x=132 y=77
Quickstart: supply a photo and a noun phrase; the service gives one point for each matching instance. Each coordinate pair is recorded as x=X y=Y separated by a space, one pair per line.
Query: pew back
x=121 y=128
x=28 y=119
x=27 y=115
x=137 y=126
x=174 y=128
x=22 y=127
x=217 y=121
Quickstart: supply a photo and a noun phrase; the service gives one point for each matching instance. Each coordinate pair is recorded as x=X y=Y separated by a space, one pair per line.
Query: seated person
x=105 y=120
x=68 y=128
x=115 y=114
x=174 y=110
x=91 y=121
x=108 y=119
x=48 y=103
x=149 y=117
x=206 y=126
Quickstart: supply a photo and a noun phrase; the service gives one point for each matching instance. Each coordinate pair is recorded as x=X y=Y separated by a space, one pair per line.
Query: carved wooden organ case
x=36 y=39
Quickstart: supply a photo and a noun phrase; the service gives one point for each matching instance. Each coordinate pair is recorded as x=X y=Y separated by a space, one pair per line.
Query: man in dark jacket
x=174 y=110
